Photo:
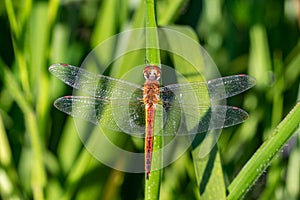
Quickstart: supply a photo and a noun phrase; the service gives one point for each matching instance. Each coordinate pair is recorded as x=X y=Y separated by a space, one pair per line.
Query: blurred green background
x=41 y=154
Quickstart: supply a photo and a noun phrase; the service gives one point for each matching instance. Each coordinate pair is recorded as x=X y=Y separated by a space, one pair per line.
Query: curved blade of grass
x=12 y=18
x=264 y=155
x=16 y=27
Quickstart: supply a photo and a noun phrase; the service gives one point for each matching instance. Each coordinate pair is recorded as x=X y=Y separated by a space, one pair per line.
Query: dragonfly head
x=152 y=73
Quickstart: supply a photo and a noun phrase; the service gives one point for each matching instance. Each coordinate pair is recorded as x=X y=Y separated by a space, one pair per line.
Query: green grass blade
x=208 y=170
x=106 y=28
x=5 y=150
x=17 y=22
x=169 y=12
x=152 y=186
x=292 y=71
x=8 y=174
x=264 y=155
x=210 y=179
x=152 y=54
x=12 y=17
x=38 y=176
x=259 y=60
x=293 y=171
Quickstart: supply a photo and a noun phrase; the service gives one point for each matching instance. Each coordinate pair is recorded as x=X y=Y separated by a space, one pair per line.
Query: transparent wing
x=233 y=85
x=97 y=85
x=188 y=106
x=215 y=117
x=101 y=112
x=220 y=88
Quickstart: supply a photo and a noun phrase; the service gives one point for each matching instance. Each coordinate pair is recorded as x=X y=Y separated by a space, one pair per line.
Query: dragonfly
x=124 y=106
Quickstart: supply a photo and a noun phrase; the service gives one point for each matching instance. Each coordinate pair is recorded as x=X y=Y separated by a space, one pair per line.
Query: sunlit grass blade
x=106 y=28
x=5 y=151
x=293 y=170
x=292 y=72
x=259 y=56
x=8 y=174
x=38 y=176
x=12 y=17
x=167 y=12
x=264 y=155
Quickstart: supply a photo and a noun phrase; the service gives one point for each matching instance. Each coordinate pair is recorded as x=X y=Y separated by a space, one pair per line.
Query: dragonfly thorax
x=151 y=92
x=152 y=73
